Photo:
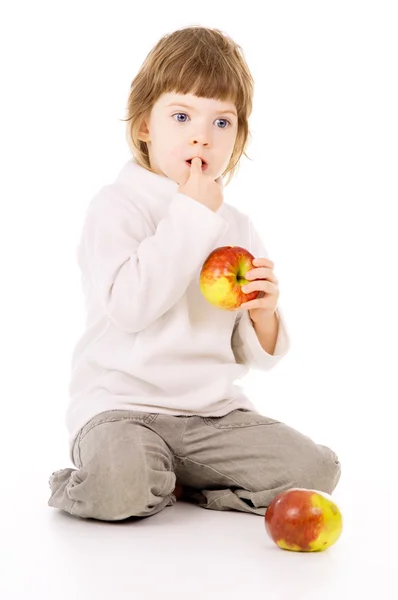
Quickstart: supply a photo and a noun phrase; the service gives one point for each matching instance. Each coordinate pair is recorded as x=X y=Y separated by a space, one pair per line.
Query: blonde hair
x=193 y=60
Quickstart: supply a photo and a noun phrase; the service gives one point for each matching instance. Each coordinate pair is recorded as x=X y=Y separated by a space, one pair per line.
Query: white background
x=321 y=188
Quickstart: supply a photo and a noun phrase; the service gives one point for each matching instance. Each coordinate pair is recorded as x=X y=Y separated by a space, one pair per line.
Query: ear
x=143 y=133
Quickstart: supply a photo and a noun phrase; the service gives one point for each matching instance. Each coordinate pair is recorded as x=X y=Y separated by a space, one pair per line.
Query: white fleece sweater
x=152 y=342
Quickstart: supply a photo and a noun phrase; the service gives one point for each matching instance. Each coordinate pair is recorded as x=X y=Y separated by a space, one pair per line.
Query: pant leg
x=124 y=469
x=243 y=460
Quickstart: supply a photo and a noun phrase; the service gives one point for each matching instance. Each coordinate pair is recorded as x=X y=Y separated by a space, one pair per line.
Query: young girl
x=154 y=406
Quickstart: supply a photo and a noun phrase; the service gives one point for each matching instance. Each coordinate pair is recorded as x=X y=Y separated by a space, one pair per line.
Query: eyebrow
x=231 y=112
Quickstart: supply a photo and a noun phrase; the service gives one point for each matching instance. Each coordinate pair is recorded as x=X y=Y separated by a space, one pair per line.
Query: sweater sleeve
x=136 y=278
x=245 y=344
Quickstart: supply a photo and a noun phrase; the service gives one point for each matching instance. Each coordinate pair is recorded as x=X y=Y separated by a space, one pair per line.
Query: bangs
x=204 y=80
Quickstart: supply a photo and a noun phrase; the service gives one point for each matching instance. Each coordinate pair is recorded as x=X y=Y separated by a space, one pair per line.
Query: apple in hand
x=223 y=274
x=303 y=520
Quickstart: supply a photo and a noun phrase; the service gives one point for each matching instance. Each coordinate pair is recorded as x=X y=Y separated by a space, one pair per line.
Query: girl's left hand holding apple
x=262 y=278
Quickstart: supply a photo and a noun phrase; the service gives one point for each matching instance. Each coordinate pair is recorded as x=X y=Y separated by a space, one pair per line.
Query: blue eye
x=177 y=114
x=226 y=121
x=180 y=114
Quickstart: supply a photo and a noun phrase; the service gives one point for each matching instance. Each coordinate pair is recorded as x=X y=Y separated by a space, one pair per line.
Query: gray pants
x=128 y=464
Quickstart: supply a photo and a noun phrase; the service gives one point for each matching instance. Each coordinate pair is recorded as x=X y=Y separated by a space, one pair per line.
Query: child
x=153 y=403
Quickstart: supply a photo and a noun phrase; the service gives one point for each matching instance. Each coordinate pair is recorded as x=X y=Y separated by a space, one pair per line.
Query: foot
x=179 y=492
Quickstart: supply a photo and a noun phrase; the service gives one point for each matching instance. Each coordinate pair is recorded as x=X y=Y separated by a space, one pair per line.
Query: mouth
x=204 y=164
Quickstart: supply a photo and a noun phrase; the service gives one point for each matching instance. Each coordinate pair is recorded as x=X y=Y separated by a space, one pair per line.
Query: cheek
x=175 y=156
x=175 y=153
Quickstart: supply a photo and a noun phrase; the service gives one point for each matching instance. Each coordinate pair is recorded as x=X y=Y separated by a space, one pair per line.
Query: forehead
x=192 y=101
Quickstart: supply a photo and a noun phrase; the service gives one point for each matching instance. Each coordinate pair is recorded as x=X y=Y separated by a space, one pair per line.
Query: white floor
x=186 y=551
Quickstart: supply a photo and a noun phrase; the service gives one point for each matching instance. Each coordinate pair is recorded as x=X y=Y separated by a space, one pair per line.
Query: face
x=175 y=133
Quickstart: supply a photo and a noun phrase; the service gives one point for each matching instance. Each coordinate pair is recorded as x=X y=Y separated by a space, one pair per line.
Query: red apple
x=223 y=275
x=303 y=520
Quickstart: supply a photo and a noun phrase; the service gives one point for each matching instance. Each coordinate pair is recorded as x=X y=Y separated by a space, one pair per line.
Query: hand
x=263 y=279
x=202 y=187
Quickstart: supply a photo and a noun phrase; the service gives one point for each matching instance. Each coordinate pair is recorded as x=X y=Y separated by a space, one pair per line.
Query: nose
x=201 y=135
x=197 y=144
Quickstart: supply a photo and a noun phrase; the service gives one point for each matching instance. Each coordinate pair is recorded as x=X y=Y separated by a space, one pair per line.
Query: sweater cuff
x=256 y=354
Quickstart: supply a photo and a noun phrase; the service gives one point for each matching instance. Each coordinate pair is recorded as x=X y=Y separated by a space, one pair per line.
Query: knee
x=318 y=470
x=115 y=498
x=109 y=495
